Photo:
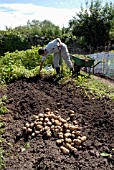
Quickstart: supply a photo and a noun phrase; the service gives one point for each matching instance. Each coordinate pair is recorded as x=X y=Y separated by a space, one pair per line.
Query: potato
x=71 y=111
x=67 y=130
x=46 y=115
x=68 y=119
x=68 y=145
x=52 y=120
x=77 y=127
x=33 y=134
x=52 y=127
x=52 y=115
x=60 y=135
x=48 y=133
x=35 y=123
x=73 y=135
x=41 y=115
x=58 y=127
x=27 y=125
x=77 y=141
x=75 y=122
x=59 y=141
x=24 y=128
x=74 y=150
x=72 y=127
x=64 y=150
x=83 y=138
x=47 y=109
x=68 y=140
x=67 y=135
x=29 y=130
x=56 y=111
x=57 y=122
x=46 y=119
x=49 y=123
x=71 y=115
x=39 y=127
x=62 y=120
x=77 y=133
x=37 y=132
x=41 y=119
x=45 y=123
x=31 y=125
x=34 y=117
x=46 y=128
x=56 y=130
x=66 y=125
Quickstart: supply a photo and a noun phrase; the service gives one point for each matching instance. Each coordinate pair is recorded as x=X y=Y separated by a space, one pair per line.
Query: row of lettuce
x=20 y=64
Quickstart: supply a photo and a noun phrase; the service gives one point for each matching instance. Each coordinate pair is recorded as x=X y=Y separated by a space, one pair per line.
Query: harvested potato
x=64 y=150
x=68 y=145
x=75 y=122
x=31 y=125
x=83 y=138
x=37 y=132
x=48 y=133
x=67 y=130
x=71 y=111
x=66 y=125
x=27 y=125
x=41 y=115
x=60 y=135
x=33 y=134
x=39 y=127
x=49 y=123
x=77 y=141
x=29 y=130
x=62 y=120
x=41 y=119
x=77 y=133
x=24 y=128
x=67 y=135
x=46 y=119
x=34 y=117
x=57 y=122
x=74 y=150
x=47 y=109
x=72 y=127
x=46 y=128
x=52 y=115
x=52 y=127
x=59 y=141
x=68 y=140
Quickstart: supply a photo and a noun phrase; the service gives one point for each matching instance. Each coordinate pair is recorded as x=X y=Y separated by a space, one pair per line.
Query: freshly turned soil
x=26 y=97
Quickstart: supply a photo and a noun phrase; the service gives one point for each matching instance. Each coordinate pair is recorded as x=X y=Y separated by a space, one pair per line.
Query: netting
x=106 y=65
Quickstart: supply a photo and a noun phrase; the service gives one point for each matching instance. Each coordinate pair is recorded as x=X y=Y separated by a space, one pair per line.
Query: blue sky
x=17 y=12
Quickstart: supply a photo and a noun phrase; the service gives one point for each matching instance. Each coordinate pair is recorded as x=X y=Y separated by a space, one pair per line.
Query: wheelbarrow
x=83 y=62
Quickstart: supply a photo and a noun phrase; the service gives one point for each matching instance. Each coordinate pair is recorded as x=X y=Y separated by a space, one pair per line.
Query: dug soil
x=95 y=117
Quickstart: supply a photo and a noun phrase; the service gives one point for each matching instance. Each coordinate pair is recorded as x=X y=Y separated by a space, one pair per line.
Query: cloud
x=18 y=14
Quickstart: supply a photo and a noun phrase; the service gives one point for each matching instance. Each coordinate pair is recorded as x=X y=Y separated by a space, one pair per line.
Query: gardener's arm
x=41 y=63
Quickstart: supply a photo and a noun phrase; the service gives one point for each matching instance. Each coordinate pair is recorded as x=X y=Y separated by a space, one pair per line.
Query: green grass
x=92 y=86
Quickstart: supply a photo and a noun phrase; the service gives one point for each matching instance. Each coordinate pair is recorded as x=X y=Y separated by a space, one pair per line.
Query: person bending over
x=59 y=50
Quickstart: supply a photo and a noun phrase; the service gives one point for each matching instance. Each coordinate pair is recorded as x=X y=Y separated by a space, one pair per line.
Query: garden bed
x=95 y=115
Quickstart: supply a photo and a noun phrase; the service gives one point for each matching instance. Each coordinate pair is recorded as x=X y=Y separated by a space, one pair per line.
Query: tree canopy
x=93 y=23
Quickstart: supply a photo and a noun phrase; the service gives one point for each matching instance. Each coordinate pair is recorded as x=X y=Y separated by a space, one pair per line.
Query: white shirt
x=52 y=47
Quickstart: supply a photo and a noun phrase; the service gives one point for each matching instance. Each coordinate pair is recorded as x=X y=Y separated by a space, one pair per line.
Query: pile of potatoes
x=67 y=132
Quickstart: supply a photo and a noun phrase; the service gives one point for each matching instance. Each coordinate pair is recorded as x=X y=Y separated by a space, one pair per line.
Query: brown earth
x=95 y=115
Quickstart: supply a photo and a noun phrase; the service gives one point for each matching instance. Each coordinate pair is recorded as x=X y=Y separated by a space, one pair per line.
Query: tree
x=93 y=23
